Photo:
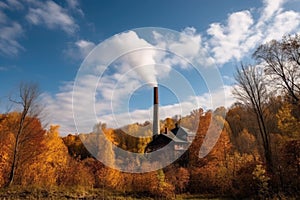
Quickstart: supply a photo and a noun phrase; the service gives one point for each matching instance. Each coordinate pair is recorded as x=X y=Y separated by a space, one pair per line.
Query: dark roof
x=158 y=142
x=178 y=135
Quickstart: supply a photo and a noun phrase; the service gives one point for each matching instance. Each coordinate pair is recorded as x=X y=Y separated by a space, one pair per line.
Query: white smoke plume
x=143 y=63
x=140 y=56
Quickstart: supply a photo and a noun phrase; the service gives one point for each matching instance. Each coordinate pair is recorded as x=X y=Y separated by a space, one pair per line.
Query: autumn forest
x=257 y=155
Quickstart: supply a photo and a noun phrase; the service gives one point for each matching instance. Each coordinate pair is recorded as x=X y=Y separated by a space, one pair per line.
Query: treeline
x=256 y=155
x=235 y=166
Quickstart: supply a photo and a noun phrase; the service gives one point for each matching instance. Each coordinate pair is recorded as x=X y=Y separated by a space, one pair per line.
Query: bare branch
x=282 y=63
x=251 y=89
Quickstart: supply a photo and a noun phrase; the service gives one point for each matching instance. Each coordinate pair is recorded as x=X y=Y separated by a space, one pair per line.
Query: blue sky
x=46 y=42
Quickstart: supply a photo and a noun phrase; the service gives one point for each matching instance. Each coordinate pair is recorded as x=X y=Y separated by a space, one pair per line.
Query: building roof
x=177 y=135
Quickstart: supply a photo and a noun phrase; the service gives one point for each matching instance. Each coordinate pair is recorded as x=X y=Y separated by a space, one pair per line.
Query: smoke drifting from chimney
x=148 y=74
x=143 y=63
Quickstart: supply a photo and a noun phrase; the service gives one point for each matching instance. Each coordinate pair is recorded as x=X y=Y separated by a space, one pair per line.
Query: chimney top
x=156 y=95
x=166 y=130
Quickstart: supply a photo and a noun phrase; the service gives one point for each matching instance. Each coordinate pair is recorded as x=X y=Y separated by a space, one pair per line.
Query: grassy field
x=16 y=193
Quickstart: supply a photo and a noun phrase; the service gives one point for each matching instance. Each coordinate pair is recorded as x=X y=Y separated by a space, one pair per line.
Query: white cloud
x=85 y=46
x=284 y=23
x=271 y=7
x=188 y=47
x=80 y=49
x=276 y=22
x=10 y=34
x=3 y=5
x=14 y=4
x=11 y=31
x=74 y=5
x=188 y=44
x=227 y=41
x=242 y=33
x=47 y=13
x=52 y=16
x=58 y=108
x=127 y=48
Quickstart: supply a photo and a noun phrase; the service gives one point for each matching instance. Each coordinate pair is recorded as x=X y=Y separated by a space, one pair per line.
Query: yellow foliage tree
x=44 y=170
x=5 y=155
x=287 y=123
x=17 y=154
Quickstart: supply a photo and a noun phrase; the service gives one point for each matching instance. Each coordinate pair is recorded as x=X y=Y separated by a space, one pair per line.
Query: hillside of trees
x=257 y=154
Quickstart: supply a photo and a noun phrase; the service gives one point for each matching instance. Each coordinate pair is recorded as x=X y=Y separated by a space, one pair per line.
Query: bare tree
x=28 y=100
x=251 y=89
x=281 y=60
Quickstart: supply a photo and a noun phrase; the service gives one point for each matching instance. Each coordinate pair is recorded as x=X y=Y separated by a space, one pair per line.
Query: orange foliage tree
x=17 y=157
x=45 y=168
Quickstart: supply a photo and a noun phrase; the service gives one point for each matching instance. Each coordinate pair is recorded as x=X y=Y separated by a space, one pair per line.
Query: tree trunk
x=16 y=150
